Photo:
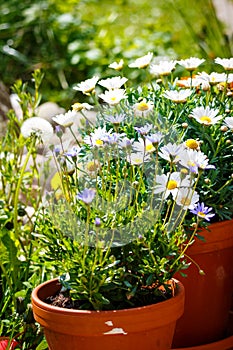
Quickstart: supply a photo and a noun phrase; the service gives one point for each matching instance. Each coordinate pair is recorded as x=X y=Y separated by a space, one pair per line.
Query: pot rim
x=36 y=300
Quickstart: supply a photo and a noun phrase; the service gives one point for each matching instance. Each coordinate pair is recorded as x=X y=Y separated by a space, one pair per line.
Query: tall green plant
x=20 y=187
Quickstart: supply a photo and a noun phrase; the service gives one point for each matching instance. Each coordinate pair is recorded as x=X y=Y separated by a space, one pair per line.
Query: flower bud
x=201 y=272
x=207 y=181
x=184 y=125
x=223 y=128
x=228 y=141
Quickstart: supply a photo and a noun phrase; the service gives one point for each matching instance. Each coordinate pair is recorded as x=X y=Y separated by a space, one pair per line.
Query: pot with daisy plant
x=113 y=224
x=123 y=212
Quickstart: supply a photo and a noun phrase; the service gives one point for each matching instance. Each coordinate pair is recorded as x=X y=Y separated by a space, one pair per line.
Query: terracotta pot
x=148 y=327
x=208 y=297
x=224 y=344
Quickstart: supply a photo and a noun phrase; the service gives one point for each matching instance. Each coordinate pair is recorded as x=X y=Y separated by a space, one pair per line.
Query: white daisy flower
x=206 y=116
x=38 y=126
x=113 y=83
x=66 y=119
x=170 y=183
x=163 y=68
x=230 y=78
x=143 y=146
x=115 y=119
x=177 y=96
x=191 y=63
x=137 y=158
x=195 y=160
x=113 y=97
x=142 y=62
x=213 y=78
x=87 y=86
x=97 y=137
x=143 y=108
x=117 y=65
x=229 y=122
x=187 y=83
x=226 y=63
x=80 y=106
x=171 y=152
x=186 y=198
x=126 y=143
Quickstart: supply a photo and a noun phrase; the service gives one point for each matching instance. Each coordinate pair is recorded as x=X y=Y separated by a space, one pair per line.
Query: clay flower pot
x=207 y=298
x=148 y=327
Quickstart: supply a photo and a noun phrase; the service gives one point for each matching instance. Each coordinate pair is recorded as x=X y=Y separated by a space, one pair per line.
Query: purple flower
x=202 y=212
x=87 y=195
x=73 y=152
x=155 y=138
x=58 y=130
x=125 y=143
x=112 y=139
x=97 y=222
x=144 y=129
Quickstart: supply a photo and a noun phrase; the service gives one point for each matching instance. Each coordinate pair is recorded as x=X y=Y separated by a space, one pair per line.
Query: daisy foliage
x=155 y=166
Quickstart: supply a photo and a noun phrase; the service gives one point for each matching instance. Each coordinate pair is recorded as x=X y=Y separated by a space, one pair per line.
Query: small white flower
x=38 y=126
x=186 y=198
x=80 y=106
x=126 y=143
x=170 y=183
x=115 y=119
x=113 y=83
x=213 y=78
x=230 y=78
x=178 y=96
x=171 y=152
x=229 y=122
x=87 y=86
x=194 y=160
x=137 y=158
x=226 y=63
x=142 y=62
x=117 y=65
x=113 y=97
x=206 y=116
x=187 y=83
x=96 y=138
x=191 y=63
x=66 y=119
x=142 y=146
x=143 y=108
x=163 y=68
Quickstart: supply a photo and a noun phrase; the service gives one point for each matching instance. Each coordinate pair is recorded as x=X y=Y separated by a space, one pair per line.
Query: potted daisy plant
x=130 y=190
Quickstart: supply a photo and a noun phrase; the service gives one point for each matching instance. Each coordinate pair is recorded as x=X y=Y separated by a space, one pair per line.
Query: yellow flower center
x=149 y=147
x=172 y=184
x=205 y=118
x=200 y=213
x=191 y=164
x=185 y=201
x=113 y=98
x=99 y=142
x=143 y=106
x=92 y=166
x=191 y=143
x=77 y=106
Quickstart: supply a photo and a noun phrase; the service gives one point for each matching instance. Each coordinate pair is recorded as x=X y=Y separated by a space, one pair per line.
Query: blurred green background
x=72 y=40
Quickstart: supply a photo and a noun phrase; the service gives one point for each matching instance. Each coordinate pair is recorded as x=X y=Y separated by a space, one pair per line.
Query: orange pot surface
x=208 y=297
x=148 y=328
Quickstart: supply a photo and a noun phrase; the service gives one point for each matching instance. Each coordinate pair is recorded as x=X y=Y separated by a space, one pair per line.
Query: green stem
x=16 y=199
